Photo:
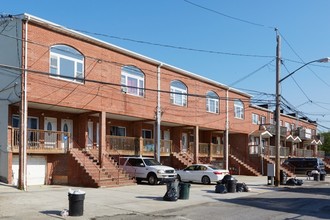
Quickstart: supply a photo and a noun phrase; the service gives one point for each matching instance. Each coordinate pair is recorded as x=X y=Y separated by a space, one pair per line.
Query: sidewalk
x=47 y=202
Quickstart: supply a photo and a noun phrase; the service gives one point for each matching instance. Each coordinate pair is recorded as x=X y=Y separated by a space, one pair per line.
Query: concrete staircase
x=108 y=176
x=181 y=160
x=245 y=168
x=285 y=169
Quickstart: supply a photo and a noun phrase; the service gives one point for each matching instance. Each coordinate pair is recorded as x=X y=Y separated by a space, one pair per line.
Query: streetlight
x=277 y=109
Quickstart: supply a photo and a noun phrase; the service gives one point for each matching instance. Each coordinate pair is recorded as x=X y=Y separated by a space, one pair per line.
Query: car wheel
x=178 y=177
x=206 y=180
x=152 y=179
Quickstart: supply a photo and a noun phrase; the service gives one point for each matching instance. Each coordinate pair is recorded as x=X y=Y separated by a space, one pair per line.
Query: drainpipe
x=227 y=130
x=158 y=116
x=22 y=184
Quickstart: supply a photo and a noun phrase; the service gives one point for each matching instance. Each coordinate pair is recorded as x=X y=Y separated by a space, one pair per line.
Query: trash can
x=76 y=202
x=231 y=186
x=316 y=176
x=283 y=177
x=322 y=175
x=230 y=183
x=172 y=191
x=184 y=189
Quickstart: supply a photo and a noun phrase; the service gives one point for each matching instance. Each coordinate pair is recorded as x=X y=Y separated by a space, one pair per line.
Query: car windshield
x=151 y=162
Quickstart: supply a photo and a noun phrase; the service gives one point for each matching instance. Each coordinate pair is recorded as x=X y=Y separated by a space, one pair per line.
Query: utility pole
x=277 y=111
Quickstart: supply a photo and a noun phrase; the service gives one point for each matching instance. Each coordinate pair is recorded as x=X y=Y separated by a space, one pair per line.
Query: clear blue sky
x=237 y=37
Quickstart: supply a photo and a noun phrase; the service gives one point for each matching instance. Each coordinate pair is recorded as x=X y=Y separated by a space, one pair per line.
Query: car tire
x=178 y=177
x=206 y=180
x=152 y=179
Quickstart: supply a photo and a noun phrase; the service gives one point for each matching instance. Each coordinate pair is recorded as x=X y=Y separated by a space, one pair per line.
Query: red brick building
x=78 y=104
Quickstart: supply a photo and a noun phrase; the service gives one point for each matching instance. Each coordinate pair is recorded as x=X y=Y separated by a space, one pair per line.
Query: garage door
x=36 y=170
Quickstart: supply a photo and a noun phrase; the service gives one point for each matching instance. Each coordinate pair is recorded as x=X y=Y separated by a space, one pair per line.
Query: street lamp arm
x=323 y=60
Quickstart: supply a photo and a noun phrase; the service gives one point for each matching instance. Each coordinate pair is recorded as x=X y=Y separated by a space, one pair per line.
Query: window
x=118 y=131
x=239 y=109
x=67 y=63
x=178 y=93
x=132 y=81
x=146 y=133
x=32 y=122
x=255 y=119
x=287 y=125
x=212 y=102
x=263 y=120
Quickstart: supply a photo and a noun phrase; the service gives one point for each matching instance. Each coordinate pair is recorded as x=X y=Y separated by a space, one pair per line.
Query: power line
x=228 y=16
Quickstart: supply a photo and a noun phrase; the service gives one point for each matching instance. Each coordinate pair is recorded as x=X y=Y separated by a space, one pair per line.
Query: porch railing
x=41 y=141
x=271 y=151
x=207 y=150
x=136 y=146
x=305 y=153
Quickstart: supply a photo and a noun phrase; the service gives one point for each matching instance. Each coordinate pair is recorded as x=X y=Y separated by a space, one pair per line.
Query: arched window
x=212 y=102
x=67 y=63
x=132 y=80
x=178 y=93
x=239 y=109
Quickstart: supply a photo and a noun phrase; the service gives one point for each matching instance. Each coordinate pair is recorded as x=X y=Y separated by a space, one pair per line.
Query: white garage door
x=36 y=170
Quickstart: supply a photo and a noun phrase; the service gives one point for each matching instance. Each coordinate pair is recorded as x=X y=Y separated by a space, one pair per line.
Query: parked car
x=145 y=168
x=201 y=173
x=305 y=165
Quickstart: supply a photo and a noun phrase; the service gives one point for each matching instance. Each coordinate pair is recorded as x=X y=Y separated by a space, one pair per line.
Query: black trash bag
x=220 y=188
x=239 y=187
x=172 y=193
x=294 y=182
x=242 y=187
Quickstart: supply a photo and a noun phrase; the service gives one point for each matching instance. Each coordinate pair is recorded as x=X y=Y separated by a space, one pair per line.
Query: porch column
x=102 y=119
x=196 y=135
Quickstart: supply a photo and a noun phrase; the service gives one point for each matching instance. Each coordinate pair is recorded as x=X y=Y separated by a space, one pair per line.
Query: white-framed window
x=212 y=102
x=263 y=120
x=118 y=131
x=178 y=93
x=255 y=119
x=132 y=80
x=238 y=109
x=287 y=125
x=147 y=133
x=66 y=63
x=293 y=127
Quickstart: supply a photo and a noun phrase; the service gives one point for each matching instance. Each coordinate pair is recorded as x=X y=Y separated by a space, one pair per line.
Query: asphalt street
x=309 y=201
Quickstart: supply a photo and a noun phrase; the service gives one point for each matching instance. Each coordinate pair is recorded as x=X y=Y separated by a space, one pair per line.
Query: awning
x=290 y=138
x=261 y=133
x=297 y=140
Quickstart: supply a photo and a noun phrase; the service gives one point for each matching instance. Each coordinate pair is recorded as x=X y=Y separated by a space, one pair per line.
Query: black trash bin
x=76 y=203
x=230 y=183
x=184 y=189
x=316 y=176
x=322 y=175
x=283 y=177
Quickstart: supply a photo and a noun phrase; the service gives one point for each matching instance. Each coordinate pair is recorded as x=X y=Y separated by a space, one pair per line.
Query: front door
x=184 y=141
x=67 y=129
x=167 y=142
x=90 y=134
x=50 y=132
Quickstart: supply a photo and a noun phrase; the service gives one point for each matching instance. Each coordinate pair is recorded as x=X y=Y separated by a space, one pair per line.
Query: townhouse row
x=76 y=105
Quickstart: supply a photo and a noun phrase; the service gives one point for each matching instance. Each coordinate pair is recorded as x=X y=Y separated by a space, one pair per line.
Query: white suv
x=145 y=168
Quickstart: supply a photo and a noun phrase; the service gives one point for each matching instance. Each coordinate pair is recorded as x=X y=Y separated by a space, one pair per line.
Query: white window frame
x=55 y=64
x=263 y=120
x=212 y=102
x=144 y=131
x=255 y=119
x=119 y=127
x=131 y=73
x=238 y=109
x=178 y=95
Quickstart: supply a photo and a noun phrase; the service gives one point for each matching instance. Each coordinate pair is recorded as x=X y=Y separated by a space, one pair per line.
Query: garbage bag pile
x=229 y=184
